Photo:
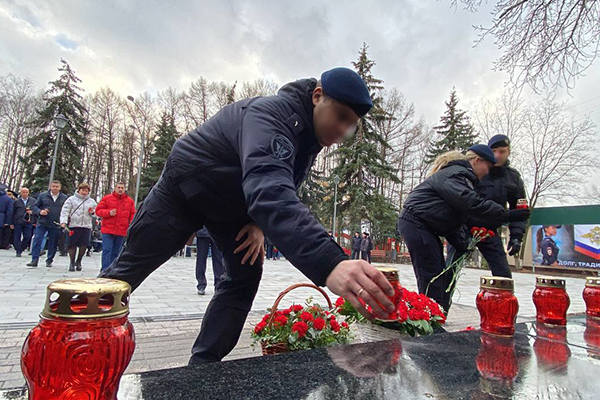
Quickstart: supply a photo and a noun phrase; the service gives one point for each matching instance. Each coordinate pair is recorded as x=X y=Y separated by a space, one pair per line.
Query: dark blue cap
x=484 y=152
x=346 y=86
x=499 y=141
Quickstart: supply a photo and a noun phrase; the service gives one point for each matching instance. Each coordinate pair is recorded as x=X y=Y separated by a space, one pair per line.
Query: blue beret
x=484 y=152
x=499 y=141
x=346 y=86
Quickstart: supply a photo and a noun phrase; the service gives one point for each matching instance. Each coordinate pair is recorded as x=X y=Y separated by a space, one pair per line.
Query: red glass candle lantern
x=497 y=305
x=83 y=343
x=550 y=346
x=591 y=296
x=392 y=276
x=522 y=204
x=551 y=300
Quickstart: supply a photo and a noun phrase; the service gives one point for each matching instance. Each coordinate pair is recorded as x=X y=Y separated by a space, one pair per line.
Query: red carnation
x=281 y=320
x=296 y=308
x=340 y=302
x=475 y=231
x=301 y=328
x=319 y=324
x=306 y=316
x=414 y=314
x=287 y=311
x=335 y=326
x=491 y=233
x=259 y=327
x=402 y=315
x=345 y=325
x=331 y=317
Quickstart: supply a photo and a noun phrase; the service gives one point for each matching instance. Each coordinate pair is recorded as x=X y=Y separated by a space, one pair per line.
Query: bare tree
x=593 y=194
x=559 y=152
x=259 y=87
x=18 y=102
x=545 y=43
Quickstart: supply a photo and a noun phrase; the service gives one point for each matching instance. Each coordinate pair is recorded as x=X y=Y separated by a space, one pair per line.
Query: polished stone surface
x=534 y=364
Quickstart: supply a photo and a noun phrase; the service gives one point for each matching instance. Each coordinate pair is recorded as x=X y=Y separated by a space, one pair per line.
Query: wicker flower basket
x=277 y=348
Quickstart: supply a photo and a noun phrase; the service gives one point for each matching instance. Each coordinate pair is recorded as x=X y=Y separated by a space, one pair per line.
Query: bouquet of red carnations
x=417 y=313
x=300 y=327
x=477 y=235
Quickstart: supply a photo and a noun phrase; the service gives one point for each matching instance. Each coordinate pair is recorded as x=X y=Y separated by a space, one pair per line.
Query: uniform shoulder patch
x=469 y=183
x=281 y=147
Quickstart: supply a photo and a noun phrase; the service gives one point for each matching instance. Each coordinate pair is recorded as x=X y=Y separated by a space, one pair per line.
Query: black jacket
x=248 y=161
x=20 y=208
x=45 y=201
x=444 y=200
x=502 y=185
x=366 y=244
x=356 y=243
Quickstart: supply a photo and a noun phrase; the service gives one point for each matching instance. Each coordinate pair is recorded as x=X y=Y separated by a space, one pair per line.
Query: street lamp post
x=141 y=158
x=336 y=181
x=59 y=123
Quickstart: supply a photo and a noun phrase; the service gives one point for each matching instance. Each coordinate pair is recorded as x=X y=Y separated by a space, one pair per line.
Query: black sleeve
x=268 y=184
x=457 y=192
x=517 y=229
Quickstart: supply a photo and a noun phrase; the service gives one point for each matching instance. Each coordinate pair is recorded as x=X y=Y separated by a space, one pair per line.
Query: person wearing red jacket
x=116 y=210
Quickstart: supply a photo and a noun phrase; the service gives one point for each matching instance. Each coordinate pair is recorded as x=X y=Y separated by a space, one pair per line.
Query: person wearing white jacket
x=76 y=217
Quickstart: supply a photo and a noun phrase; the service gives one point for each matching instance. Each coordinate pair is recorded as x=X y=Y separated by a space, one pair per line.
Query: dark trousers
x=160 y=228
x=202 y=245
x=366 y=255
x=427 y=256
x=53 y=234
x=22 y=238
x=270 y=248
x=492 y=250
x=355 y=254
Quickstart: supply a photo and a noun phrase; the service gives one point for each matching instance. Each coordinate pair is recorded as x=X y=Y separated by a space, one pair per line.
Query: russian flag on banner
x=587 y=240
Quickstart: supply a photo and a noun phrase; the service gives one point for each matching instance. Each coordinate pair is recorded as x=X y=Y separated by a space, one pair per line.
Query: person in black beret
x=439 y=206
x=238 y=175
x=504 y=186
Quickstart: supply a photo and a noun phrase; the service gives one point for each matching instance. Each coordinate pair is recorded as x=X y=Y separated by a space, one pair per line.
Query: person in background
x=366 y=245
x=270 y=247
x=23 y=220
x=6 y=212
x=47 y=207
x=276 y=254
x=76 y=218
x=439 y=206
x=546 y=245
x=203 y=242
x=116 y=210
x=356 y=241
x=504 y=186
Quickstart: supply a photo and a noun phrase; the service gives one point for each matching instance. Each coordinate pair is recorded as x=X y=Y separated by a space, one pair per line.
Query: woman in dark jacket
x=439 y=206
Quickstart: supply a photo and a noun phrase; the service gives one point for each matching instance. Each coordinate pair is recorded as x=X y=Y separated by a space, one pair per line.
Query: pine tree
x=455 y=131
x=166 y=135
x=360 y=163
x=312 y=192
x=61 y=98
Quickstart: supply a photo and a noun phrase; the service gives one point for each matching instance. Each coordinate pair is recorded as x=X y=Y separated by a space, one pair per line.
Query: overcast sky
x=423 y=47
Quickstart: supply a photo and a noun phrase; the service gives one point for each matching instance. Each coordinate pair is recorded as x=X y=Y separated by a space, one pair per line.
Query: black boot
x=78 y=265
x=71 y=267
x=33 y=264
x=49 y=264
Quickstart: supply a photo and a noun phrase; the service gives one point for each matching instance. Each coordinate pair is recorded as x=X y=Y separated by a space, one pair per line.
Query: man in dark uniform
x=244 y=166
x=356 y=241
x=502 y=185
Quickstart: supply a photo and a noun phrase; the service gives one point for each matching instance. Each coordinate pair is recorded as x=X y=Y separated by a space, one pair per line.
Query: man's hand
x=255 y=243
x=63 y=225
x=352 y=279
x=28 y=211
x=44 y=211
x=113 y=212
x=514 y=247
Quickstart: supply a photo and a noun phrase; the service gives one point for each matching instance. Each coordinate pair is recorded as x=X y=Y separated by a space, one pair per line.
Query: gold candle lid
x=496 y=282
x=592 y=281
x=87 y=298
x=550 y=282
x=390 y=273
